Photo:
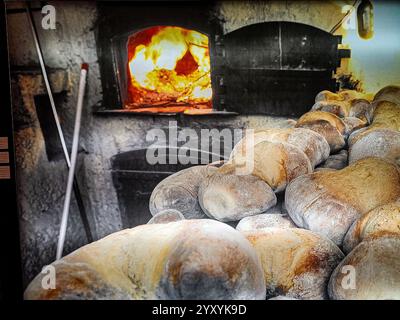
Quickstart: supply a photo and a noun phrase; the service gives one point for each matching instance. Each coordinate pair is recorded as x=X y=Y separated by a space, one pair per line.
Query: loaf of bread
x=335 y=161
x=330 y=126
x=370 y=272
x=343 y=95
x=346 y=103
x=166 y=216
x=226 y=196
x=389 y=93
x=265 y=220
x=273 y=162
x=386 y=116
x=187 y=259
x=328 y=202
x=381 y=221
x=297 y=263
x=334 y=120
x=179 y=192
x=381 y=138
x=337 y=107
x=310 y=142
x=382 y=143
x=359 y=108
x=353 y=124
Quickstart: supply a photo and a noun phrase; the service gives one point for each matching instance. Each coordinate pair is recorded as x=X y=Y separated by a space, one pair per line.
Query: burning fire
x=169 y=67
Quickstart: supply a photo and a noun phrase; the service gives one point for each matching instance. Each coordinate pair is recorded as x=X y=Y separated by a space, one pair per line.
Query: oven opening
x=168 y=70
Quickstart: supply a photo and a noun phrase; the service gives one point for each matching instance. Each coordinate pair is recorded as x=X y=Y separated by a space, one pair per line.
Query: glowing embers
x=168 y=70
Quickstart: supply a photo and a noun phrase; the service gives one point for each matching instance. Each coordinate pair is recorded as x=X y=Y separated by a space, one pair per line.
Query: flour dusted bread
x=335 y=161
x=386 y=116
x=351 y=107
x=166 y=216
x=353 y=124
x=179 y=192
x=310 y=142
x=381 y=138
x=389 y=93
x=225 y=196
x=381 y=221
x=334 y=120
x=265 y=220
x=297 y=263
x=382 y=143
x=370 y=272
x=361 y=109
x=343 y=95
x=328 y=202
x=337 y=107
x=188 y=259
x=331 y=127
x=275 y=163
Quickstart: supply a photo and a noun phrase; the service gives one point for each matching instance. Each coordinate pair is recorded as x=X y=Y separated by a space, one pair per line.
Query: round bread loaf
x=348 y=94
x=179 y=192
x=265 y=220
x=370 y=272
x=166 y=216
x=361 y=109
x=342 y=95
x=275 y=163
x=381 y=143
x=310 y=142
x=381 y=221
x=326 y=95
x=337 y=107
x=389 y=93
x=334 y=120
x=225 y=196
x=386 y=116
x=187 y=259
x=328 y=202
x=353 y=124
x=331 y=127
x=335 y=161
x=297 y=263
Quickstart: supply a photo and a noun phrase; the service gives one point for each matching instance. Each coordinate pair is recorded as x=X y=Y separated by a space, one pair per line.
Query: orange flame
x=169 y=67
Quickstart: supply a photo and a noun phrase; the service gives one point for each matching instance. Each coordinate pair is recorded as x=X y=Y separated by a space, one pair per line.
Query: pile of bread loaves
x=336 y=234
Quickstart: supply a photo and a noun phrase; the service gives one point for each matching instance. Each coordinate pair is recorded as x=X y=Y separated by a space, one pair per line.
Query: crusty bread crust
x=381 y=221
x=297 y=263
x=187 y=259
x=322 y=115
x=389 y=93
x=275 y=163
x=310 y=142
x=328 y=202
x=372 y=269
x=225 y=196
x=179 y=191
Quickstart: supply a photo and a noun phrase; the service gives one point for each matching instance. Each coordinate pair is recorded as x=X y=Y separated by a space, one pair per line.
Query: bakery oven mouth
x=166 y=69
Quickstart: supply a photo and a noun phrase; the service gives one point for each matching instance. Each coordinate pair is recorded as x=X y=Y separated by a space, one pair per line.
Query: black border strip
x=10 y=265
